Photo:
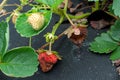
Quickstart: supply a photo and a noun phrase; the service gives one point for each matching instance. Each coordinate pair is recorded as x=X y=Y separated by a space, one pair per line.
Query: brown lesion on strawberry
x=47 y=60
x=77 y=34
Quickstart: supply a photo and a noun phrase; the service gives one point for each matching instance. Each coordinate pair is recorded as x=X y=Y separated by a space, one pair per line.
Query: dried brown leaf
x=99 y=24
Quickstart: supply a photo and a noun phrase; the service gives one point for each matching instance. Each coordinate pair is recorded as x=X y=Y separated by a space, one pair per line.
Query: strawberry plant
x=24 y=61
x=109 y=42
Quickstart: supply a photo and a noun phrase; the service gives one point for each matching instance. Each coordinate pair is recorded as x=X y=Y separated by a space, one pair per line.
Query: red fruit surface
x=52 y=58
x=47 y=61
x=42 y=55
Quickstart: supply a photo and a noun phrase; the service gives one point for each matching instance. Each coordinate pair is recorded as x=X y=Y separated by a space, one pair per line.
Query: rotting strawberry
x=36 y=20
x=47 y=60
x=76 y=34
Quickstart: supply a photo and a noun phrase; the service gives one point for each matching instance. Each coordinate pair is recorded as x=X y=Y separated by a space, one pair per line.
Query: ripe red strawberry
x=52 y=58
x=47 y=60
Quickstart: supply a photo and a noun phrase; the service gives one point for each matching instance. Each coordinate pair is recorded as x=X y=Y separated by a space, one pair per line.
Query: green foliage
x=51 y=3
x=115 y=31
x=103 y=44
x=25 y=29
x=116 y=7
x=4 y=37
x=19 y=62
x=108 y=42
x=115 y=54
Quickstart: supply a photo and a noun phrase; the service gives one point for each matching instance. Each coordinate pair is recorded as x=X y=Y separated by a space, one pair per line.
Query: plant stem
x=103 y=4
x=30 y=42
x=65 y=12
x=96 y=5
x=12 y=5
x=3 y=4
x=59 y=36
x=66 y=4
x=5 y=14
x=68 y=18
x=55 y=27
x=79 y=17
x=112 y=15
x=50 y=47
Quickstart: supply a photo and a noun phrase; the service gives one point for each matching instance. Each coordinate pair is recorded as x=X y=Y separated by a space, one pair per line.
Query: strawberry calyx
x=40 y=51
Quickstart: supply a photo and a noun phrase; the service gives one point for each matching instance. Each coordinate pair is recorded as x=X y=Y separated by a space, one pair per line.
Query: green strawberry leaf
x=115 y=31
x=4 y=37
x=25 y=29
x=19 y=62
x=103 y=44
x=115 y=54
x=51 y=3
x=116 y=7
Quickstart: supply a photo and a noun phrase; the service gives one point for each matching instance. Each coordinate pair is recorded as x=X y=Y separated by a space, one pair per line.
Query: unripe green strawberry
x=36 y=20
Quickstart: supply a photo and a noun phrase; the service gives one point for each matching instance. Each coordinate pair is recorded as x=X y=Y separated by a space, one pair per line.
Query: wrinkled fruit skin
x=47 y=61
x=78 y=39
x=36 y=20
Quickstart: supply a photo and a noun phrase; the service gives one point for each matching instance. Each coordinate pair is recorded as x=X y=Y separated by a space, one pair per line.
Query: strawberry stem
x=55 y=27
x=79 y=16
x=3 y=4
x=97 y=5
x=65 y=13
x=68 y=18
x=50 y=47
x=30 y=42
x=66 y=4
